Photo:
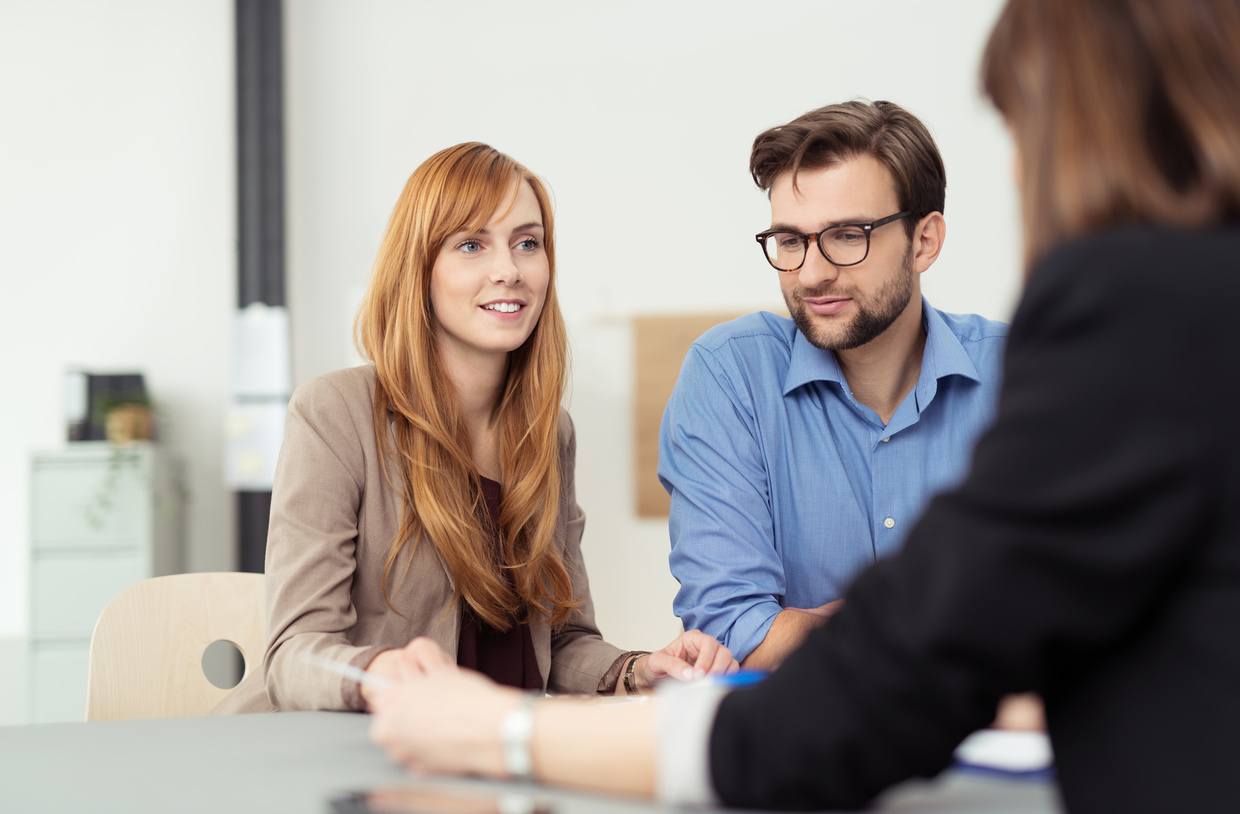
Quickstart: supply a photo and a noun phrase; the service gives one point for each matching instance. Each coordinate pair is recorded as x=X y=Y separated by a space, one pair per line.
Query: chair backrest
x=146 y=650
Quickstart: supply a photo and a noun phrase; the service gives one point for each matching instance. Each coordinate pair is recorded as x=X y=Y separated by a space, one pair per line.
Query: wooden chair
x=146 y=650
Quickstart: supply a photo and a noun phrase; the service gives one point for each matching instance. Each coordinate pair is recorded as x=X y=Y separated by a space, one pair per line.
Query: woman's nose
x=505 y=270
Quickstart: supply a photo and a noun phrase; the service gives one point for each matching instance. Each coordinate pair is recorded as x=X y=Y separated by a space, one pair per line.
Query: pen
x=348 y=671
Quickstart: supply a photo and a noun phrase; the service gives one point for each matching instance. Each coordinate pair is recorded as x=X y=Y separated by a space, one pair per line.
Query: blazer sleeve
x=310 y=563
x=1086 y=502
x=581 y=662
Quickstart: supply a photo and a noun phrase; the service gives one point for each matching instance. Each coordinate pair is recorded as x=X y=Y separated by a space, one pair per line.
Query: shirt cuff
x=611 y=679
x=750 y=628
x=684 y=715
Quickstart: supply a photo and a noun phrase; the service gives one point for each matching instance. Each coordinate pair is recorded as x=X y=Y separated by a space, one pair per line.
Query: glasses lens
x=784 y=250
x=845 y=245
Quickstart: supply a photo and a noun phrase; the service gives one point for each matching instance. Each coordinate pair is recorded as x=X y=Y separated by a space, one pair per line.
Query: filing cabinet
x=102 y=518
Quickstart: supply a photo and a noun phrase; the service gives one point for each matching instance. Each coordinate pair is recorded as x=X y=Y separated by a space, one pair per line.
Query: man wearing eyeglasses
x=796 y=451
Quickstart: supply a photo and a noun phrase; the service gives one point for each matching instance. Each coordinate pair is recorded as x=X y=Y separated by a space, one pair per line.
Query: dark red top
x=506 y=657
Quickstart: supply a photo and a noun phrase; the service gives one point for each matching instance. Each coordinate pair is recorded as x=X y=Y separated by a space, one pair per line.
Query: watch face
x=428 y=799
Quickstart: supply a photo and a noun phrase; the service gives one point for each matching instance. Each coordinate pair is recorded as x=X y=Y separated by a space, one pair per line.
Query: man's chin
x=832 y=341
x=825 y=333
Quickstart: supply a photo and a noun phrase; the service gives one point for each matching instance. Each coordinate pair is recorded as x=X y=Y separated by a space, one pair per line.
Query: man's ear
x=928 y=237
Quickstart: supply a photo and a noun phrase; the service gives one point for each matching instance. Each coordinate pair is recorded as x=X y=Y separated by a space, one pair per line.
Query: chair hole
x=223 y=664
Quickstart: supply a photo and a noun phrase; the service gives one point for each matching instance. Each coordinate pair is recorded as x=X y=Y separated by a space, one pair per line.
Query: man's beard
x=872 y=317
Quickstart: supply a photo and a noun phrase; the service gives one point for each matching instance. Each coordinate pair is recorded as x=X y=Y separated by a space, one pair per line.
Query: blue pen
x=741 y=678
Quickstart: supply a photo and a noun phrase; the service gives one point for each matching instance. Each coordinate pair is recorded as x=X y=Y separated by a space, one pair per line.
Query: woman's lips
x=505 y=316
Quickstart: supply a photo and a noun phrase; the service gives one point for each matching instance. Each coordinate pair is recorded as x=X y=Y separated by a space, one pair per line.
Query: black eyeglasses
x=846 y=244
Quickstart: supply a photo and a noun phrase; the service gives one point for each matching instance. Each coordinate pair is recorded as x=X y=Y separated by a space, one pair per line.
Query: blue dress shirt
x=784 y=486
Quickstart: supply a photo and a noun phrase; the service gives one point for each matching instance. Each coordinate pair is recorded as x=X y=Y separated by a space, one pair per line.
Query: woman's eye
x=529 y=244
x=469 y=246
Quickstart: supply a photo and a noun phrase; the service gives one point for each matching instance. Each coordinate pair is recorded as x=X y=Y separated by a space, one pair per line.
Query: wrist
x=512 y=757
x=639 y=668
x=377 y=666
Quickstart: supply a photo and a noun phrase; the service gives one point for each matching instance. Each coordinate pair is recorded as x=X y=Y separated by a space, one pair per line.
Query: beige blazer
x=333 y=518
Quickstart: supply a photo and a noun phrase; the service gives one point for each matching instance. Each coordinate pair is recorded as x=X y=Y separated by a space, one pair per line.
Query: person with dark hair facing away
x=1091 y=553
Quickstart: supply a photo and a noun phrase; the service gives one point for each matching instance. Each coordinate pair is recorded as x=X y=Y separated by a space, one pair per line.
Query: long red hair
x=461 y=188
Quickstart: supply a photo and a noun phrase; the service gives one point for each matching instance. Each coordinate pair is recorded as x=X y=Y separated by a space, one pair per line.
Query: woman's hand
x=445 y=721
x=690 y=655
x=420 y=657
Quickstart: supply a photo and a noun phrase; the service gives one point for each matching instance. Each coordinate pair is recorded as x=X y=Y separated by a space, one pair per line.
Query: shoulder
x=349 y=383
x=974 y=328
x=758 y=331
x=1139 y=302
x=1133 y=284
x=983 y=341
x=342 y=397
x=567 y=432
x=732 y=361
x=752 y=348
x=1127 y=263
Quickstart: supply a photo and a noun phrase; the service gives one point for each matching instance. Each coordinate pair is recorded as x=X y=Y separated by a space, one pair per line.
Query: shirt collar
x=943 y=356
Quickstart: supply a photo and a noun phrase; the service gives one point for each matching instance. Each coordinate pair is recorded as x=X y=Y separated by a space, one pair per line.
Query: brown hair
x=460 y=188
x=1124 y=111
x=835 y=133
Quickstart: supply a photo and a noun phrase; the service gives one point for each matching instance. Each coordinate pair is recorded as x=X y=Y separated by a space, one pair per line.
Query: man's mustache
x=801 y=293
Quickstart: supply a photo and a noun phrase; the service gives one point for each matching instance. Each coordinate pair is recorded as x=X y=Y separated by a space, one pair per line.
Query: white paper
x=261 y=366
x=253 y=435
x=1006 y=751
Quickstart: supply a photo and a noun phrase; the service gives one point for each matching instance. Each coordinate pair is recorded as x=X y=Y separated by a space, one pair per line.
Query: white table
x=298 y=761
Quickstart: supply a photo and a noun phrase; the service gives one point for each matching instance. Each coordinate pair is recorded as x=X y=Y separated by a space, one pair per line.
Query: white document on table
x=1008 y=752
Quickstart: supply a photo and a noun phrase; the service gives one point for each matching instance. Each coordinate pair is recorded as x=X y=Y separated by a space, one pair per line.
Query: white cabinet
x=102 y=518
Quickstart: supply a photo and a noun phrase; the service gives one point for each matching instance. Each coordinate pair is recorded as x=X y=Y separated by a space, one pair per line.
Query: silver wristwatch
x=516 y=732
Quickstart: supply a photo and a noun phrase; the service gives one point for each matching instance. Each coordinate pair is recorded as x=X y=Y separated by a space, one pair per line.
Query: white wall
x=117 y=238
x=640 y=115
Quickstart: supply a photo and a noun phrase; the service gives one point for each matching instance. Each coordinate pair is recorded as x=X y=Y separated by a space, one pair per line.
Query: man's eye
x=852 y=236
x=469 y=246
x=789 y=242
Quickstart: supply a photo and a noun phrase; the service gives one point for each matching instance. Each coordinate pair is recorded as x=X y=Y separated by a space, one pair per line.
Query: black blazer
x=1091 y=555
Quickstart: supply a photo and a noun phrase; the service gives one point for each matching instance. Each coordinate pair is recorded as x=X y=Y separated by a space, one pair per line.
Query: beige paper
x=660 y=345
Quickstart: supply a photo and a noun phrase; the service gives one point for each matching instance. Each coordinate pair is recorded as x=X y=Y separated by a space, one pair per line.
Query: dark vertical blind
x=260 y=204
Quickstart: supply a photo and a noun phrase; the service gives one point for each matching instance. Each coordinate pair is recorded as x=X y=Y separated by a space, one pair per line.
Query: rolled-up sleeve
x=722 y=532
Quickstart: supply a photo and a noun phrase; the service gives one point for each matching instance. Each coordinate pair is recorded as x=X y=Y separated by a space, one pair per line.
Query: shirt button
x=889 y=523
x=886 y=439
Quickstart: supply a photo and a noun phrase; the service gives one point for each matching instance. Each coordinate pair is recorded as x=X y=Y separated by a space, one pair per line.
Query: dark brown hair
x=1123 y=111
x=828 y=135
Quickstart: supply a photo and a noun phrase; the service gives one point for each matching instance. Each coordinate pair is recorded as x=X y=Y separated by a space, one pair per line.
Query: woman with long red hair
x=423 y=513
